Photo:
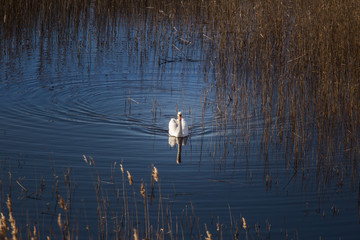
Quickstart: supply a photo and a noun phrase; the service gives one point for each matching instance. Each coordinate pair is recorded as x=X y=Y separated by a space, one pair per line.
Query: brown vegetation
x=117 y=222
x=292 y=64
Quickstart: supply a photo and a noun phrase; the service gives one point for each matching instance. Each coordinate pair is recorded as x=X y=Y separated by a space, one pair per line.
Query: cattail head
x=130 y=178
x=244 y=223
x=155 y=174
x=59 y=221
x=9 y=204
x=85 y=159
x=92 y=161
x=208 y=234
x=136 y=235
x=62 y=203
x=209 y=237
x=14 y=231
x=121 y=168
x=12 y=221
x=142 y=190
x=3 y=226
x=35 y=233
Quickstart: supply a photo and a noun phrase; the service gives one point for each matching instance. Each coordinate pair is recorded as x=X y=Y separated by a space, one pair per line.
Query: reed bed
x=294 y=65
x=127 y=208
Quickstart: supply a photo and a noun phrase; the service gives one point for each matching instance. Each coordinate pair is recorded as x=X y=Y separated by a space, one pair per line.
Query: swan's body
x=178 y=127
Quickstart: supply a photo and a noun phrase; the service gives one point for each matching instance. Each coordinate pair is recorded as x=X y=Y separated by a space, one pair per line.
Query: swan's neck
x=180 y=128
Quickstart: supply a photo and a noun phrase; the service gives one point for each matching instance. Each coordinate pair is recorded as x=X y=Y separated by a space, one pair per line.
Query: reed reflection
x=180 y=141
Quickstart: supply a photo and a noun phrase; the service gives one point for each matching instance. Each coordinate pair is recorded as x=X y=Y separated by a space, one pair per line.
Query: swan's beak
x=180 y=118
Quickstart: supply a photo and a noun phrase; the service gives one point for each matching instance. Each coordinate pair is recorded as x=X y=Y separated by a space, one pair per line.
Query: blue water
x=59 y=103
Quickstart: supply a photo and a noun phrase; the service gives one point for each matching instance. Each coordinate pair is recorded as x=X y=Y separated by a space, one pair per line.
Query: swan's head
x=179 y=115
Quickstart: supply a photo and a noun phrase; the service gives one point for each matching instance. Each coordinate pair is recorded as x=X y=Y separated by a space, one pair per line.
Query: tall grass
x=292 y=64
x=119 y=216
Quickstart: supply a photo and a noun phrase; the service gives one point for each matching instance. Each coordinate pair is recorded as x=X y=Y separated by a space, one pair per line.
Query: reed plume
x=35 y=234
x=14 y=230
x=85 y=159
x=136 y=235
x=142 y=190
x=244 y=223
x=62 y=203
x=155 y=174
x=131 y=181
x=208 y=234
x=3 y=226
x=60 y=224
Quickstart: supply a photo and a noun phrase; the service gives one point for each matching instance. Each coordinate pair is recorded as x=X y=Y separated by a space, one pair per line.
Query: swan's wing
x=172 y=127
x=185 y=128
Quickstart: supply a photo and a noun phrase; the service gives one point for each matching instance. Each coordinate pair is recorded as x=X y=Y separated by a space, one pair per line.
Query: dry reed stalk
x=3 y=226
x=85 y=159
x=62 y=203
x=135 y=204
x=208 y=234
x=131 y=181
x=143 y=194
x=155 y=174
x=146 y=210
x=268 y=225
x=60 y=224
x=244 y=223
x=92 y=161
x=35 y=234
x=14 y=230
x=126 y=212
x=136 y=235
x=101 y=210
x=142 y=190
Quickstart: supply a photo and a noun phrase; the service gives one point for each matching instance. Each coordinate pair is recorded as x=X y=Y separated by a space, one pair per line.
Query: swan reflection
x=180 y=141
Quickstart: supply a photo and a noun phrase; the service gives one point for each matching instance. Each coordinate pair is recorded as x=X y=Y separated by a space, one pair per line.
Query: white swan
x=178 y=127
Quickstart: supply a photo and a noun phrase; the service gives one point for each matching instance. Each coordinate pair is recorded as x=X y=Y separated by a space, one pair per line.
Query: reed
x=3 y=225
x=292 y=64
x=14 y=230
x=155 y=221
x=208 y=234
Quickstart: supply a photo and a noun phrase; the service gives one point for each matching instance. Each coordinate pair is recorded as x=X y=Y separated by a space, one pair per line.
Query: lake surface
x=112 y=103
